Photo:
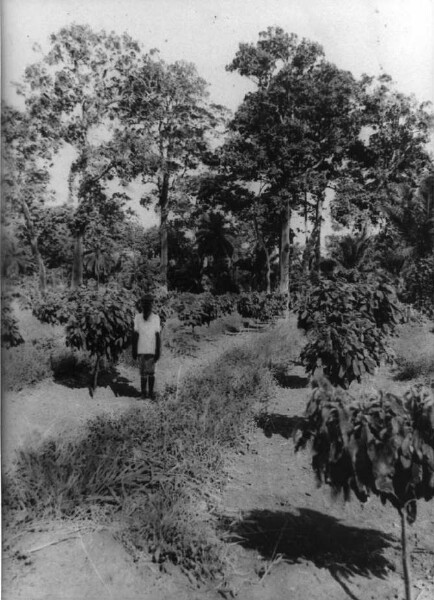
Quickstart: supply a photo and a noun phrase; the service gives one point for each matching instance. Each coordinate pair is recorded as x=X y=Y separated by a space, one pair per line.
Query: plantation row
x=347 y=323
x=156 y=466
x=152 y=469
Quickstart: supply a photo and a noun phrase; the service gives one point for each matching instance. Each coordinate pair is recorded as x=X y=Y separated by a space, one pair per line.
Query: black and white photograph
x=217 y=301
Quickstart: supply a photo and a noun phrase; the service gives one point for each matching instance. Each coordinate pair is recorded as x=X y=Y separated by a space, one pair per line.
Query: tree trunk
x=285 y=249
x=267 y=271
x=95 y=373
x=164 y=211
x=317 y=228
x=77 y=261
x=306 y=258
x=263 y=247
x=405 y=558
x=35 y=247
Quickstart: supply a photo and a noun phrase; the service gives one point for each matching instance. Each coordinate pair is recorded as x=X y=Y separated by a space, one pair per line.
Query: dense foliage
x=96 y=321
x=382 y=445
x=10 y=333
x=419 y=285
x=194 y=310
x=347 y=326
x=262 y=306
x=100 y=322
x=227 y=216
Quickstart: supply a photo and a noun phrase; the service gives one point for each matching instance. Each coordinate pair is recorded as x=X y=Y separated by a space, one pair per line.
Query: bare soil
x=286 y=538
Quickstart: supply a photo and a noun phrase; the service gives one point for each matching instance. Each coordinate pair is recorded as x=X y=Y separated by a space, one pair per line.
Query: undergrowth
x=415 y=354
x=157 y=469
x=419 y=368
x=26 y=364
x=37 y=360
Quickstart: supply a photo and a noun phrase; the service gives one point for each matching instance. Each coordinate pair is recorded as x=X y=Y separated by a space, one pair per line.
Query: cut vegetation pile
x=154 y=470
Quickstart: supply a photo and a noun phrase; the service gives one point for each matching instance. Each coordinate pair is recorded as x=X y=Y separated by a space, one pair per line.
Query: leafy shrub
x=195 y=310
x=347 y=324
x=100 y=323
x=97 y=321
x=373 y=300
x=261 y=306
x=10 y=333
x=55 y=307
x=188 y=309
x=383 y=445
x=419 y=285
x=345 y=352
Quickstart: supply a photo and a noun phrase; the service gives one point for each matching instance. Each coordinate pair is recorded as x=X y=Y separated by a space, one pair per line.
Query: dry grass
x=415 y=353
x=156 y=469
x=30 y=362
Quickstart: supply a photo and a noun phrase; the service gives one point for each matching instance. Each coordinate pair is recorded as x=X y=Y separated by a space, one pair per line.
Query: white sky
x=371 y=36
x=394 y=36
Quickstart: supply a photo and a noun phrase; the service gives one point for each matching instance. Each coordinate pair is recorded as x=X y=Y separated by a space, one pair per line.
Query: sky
x=362 y=36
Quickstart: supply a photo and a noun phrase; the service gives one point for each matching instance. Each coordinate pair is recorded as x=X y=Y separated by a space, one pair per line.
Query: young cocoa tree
x=383 y=445
x=347 y=325
x=98 y=322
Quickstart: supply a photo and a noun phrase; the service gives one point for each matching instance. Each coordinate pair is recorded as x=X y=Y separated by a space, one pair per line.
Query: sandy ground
x=293 y=540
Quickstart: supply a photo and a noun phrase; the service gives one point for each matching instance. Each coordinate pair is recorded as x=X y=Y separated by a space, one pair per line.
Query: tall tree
x=166 y=106
x=218 y=191
x=412 y=218
x=73 y=94
x=26 y=158
x=390 y=151
x=298 y=122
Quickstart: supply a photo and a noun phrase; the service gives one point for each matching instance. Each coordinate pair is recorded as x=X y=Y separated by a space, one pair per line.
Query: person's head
x=146 y=304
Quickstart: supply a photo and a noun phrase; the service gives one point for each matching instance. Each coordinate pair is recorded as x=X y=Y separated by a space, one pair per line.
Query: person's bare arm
x=135 y=340
x=157 y=345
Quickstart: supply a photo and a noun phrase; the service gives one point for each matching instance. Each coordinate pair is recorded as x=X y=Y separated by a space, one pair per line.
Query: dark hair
x=146 y=305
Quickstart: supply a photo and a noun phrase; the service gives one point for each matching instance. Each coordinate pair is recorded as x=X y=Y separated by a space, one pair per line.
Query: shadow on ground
x=81 y=377
x=276 y=424
x=294 y=382
x=311 y=535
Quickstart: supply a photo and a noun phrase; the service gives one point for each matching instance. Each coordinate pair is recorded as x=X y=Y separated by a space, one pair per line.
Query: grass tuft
x=156 y=468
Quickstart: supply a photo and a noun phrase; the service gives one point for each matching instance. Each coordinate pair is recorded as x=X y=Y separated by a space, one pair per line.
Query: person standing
x=147 y=345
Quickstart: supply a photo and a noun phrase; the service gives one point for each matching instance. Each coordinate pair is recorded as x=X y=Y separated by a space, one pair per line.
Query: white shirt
x=146 y=330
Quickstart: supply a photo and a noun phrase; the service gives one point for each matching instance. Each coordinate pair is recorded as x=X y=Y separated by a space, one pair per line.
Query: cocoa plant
x=382 y=445
x=96 y=321
x=348 y=325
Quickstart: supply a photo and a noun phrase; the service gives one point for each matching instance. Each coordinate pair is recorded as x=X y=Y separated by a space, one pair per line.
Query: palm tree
x=98 y=262
x=215 y=246
x=354 y=250
x=412 y=218
x=214 y=238
x=412 y=221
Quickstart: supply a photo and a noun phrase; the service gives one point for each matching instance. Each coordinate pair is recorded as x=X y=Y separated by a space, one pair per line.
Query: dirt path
x=54 y=560
x=51 y=408
x=297 y=541
x=294 y=541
